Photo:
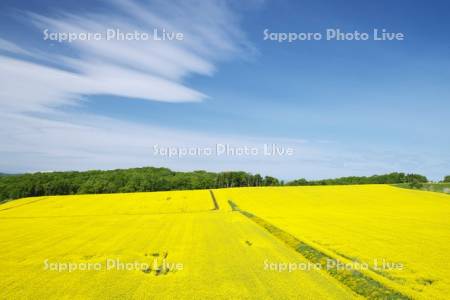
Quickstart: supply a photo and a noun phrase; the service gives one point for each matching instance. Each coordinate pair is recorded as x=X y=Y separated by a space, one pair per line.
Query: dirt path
x=216 y=205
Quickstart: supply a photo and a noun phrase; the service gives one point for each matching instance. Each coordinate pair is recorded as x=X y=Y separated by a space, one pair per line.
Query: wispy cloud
x=37 y=133
x=34 y=81
x=149 y=70
x=80 y=142
x=10 y=47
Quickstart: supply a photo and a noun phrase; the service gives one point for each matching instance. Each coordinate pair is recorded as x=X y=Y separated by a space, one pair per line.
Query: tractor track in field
x=109 y=215
x=357 y=281
x=214 y=200
x=20 y=205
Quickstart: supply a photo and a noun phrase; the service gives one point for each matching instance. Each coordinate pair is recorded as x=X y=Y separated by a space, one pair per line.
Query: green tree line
x=160 y=179
x=122 y=181
x=390 y=178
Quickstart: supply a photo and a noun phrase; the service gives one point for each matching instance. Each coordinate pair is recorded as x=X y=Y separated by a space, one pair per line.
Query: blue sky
x=347 y=107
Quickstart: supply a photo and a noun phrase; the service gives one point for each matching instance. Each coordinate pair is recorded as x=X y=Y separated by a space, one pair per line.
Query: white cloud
x=77 y=142
x=37 y=133
x=81 y=142
x=13 y=48
x=148 y=70
x=34 y=81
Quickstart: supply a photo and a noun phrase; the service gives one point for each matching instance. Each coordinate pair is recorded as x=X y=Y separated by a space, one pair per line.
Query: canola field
x=198 y=245
x=165 y=245
x=403 y=235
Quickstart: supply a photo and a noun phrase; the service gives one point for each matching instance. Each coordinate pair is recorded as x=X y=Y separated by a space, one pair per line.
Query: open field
x=203 y=245
x=222 y=253
x=364 y=223
x=110 y=204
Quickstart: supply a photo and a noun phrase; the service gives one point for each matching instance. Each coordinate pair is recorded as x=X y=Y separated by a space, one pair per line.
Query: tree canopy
x=375 y=179
x=150 y=179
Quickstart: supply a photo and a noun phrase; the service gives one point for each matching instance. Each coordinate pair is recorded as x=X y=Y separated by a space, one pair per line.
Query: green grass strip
x=357 y=281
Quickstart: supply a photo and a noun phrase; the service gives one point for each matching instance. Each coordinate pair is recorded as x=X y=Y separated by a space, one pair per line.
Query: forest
x=150 y=179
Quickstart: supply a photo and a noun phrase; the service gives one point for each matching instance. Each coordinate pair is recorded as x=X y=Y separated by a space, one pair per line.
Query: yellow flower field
x=111 y=204
x=365 y=223
x=192 y=251
x=182 y=245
